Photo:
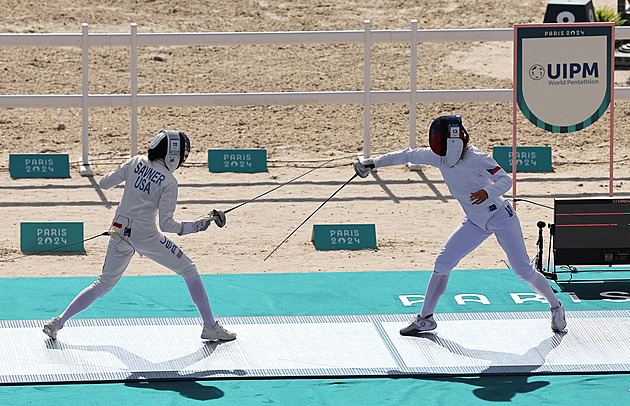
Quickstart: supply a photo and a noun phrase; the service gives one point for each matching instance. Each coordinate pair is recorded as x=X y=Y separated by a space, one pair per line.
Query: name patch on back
x=146 y=176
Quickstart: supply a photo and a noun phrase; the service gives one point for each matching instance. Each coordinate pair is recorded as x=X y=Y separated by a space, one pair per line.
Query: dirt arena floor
x=412 y=210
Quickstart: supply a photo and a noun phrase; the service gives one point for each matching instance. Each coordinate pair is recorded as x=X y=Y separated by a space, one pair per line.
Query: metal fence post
x=134 y=89
x=413 y=83
x=85 y=168
x=366 y=88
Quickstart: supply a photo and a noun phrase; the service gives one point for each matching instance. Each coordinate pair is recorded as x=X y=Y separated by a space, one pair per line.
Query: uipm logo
x=563 y=71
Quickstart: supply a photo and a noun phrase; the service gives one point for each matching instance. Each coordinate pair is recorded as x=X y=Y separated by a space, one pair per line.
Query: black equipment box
x=591 y=231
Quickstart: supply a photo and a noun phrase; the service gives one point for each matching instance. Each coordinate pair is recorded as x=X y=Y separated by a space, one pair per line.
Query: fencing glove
x=219 y=218
x=203 y=222
x=364 y=167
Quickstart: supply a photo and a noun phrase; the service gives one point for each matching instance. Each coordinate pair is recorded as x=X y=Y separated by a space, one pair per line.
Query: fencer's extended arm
x=418 y=156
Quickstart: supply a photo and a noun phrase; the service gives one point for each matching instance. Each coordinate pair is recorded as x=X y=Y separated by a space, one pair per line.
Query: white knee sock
x=200 y=299
x=542 y=287
x=435 y=290
x=81 y=302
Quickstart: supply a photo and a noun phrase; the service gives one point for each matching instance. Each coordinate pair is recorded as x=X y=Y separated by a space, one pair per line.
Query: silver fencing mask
x=173 y=146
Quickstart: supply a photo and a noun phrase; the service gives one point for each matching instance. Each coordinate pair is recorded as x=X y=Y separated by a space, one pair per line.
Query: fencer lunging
x=478 y=183
x=150 y=194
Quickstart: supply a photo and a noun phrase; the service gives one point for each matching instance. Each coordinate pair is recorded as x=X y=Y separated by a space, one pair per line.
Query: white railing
x=365 y=96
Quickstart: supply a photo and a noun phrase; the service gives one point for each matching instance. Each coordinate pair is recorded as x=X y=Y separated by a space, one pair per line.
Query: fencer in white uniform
x=477 y=182
x=150 y=195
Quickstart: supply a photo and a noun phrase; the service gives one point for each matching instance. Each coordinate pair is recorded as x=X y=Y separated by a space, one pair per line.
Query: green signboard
x=237 y=160
x=51 y=236
x=344 y=236
x=528 y=159
x=39 y=166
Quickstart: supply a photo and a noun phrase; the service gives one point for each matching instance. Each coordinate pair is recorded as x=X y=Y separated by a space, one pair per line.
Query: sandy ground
x=412 y=210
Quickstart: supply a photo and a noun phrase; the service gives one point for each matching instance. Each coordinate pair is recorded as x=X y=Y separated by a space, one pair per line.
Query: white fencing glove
x=203 y=222
x=219 y=217
x=363 y=167
x=199 y=224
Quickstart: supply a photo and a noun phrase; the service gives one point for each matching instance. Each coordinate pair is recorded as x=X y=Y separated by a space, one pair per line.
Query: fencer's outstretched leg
x=466 y=237
x=81 y=302
x=435 y=290
x=424 y=321
x=211 y=329
x=510 y=237
x=200 y=299
x=541 y=286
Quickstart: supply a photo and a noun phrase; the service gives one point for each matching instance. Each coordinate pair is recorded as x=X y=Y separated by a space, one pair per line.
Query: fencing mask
x=447 y=137
x=173 y=146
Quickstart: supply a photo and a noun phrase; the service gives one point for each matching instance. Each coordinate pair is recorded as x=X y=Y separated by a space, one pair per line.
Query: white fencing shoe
x=52 y=327
x=218 y=332
x=558 y=320
x=419 y=324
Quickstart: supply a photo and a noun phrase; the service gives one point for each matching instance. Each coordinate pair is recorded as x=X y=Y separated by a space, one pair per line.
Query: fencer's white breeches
x=504 y=224
x=145 y=238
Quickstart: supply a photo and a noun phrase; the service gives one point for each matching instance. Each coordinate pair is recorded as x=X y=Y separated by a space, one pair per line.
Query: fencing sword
x=311 y=215
x=277 y=187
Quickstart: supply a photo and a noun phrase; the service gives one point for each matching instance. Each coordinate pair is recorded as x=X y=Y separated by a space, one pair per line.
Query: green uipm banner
x=53 y=236
x=237 y=160
x=344 y=236
x=39 y=166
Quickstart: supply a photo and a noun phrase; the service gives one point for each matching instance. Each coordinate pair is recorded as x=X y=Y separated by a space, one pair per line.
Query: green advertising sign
x=237 y=160
x=528 y=159
x=39 y=166
x=344 y=236
x=51 y=236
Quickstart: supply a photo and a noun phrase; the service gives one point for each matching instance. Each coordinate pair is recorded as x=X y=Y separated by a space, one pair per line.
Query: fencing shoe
x=558 y=321
x=52 y=327
x=218 y=332
x=419 y=324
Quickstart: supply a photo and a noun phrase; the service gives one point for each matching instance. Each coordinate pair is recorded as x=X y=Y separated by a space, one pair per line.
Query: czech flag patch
x=493 y=171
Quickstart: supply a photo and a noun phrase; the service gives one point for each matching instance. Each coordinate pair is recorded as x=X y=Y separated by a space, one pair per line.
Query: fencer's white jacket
x=150 y=189
x=476 y=170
